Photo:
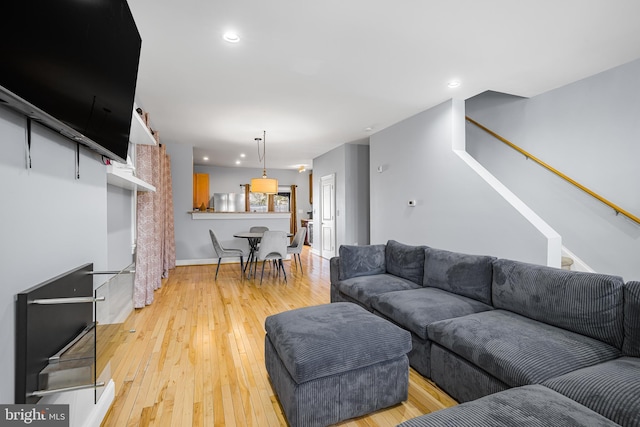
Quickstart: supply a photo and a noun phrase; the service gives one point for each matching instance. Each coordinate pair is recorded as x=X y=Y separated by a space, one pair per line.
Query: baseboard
x=102 y=406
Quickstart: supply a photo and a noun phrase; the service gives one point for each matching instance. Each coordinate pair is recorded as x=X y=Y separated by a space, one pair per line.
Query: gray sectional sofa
x=481 y=325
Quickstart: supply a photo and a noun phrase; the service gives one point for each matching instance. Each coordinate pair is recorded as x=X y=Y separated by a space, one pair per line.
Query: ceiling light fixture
x=264 y=184
x=453 y=84
x=205 y=158
x=301 y=168
x=237 y=162
x=231 y=37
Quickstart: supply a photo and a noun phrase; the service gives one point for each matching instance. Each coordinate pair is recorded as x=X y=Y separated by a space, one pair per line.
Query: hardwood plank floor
x=196 y=355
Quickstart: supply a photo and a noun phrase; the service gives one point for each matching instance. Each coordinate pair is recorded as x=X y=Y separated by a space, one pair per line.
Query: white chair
x=295 y=248
x=273 y=247
x=222 y=252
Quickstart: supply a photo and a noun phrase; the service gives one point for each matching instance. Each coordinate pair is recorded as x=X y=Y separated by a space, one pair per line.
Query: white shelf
x=121 y=178
x=140 y=133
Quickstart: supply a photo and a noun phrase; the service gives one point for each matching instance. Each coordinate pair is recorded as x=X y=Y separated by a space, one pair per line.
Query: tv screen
x=77 y=61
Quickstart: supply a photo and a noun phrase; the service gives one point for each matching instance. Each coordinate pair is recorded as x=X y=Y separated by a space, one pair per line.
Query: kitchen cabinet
x=200 y=190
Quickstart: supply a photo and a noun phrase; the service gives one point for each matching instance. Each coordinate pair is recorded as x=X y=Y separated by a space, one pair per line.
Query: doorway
x=328 y=216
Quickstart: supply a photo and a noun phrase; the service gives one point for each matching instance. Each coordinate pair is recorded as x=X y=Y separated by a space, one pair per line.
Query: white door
x=328 y=215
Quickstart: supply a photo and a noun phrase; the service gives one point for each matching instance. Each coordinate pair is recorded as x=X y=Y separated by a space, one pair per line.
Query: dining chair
x=295 y=248
x=258 y=229
x=222 y=252
x=273 y=246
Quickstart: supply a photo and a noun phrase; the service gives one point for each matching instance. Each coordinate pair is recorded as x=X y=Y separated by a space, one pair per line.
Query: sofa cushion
x=405 y=261
x=531 y=406
x=462 y=274
x=415 y=309
x=631 y=346
x=518 y=350
x=611 y=389
x=587 y=303
x=361 y=260
x=364 y=288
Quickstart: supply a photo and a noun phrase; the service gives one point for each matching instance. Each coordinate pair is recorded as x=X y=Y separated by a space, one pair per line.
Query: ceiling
x=316 y=75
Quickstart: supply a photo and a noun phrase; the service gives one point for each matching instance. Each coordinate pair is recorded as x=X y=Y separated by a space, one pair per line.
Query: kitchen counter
x=196 y=215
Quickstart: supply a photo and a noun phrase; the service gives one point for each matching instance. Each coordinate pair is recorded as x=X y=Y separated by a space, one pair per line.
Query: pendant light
x=264 y=184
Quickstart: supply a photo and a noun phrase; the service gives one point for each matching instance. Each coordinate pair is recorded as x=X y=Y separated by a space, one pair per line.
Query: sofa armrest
x=334 y=269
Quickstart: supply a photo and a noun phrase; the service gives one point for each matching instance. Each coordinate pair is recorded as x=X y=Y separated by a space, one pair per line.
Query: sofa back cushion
x=462 y=274
x=361 y=260
x=405 y=261
x=586 y=303
x=631 y=346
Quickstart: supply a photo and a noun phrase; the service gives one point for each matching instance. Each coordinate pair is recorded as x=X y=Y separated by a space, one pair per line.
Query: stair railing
x=616 y=208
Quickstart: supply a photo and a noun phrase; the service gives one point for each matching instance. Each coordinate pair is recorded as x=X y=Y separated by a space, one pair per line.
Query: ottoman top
x=315 y=342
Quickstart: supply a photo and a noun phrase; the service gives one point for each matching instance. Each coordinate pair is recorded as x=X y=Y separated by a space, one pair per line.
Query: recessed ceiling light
x=231 y=37
x=453 y=84
x=368 y=129
x=243 y=155
x=237 y=162
x=205 y=158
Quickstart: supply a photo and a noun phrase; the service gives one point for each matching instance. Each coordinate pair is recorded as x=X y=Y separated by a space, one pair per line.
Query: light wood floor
x=195 y=357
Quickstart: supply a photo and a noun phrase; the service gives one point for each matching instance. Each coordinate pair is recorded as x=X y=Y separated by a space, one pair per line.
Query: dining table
x=253 y=238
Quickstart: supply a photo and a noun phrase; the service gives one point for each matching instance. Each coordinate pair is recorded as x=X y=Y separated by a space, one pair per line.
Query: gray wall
x=350 y=164
x=589 y=130
x=50 y=222
x=455 y=209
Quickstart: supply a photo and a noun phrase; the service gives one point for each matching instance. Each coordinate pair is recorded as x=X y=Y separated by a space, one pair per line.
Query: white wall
x=589 y=130
x=455 y=209
x=50 y=223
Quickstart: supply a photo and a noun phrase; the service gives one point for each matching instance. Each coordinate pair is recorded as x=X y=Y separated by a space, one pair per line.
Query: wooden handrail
x=528 y=155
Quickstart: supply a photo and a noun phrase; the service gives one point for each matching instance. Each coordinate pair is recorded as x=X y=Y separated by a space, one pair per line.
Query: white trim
x=102 y=406
x=458 y=145
x=578 y=264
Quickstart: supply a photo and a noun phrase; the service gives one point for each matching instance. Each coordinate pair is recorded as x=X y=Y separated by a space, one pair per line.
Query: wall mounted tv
x=72 y=65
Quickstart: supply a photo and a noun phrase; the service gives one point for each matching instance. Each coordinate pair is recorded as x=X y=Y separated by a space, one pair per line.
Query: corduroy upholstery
x=631 y=346
x=361 y=261
x=326 y=363
x=530 y=406
x=540 y=325
x=611 y=389
x=586 y=303
x=462 y=274
x=407 y=309
x=365 y=288
x=405 y=261
x=517 y=350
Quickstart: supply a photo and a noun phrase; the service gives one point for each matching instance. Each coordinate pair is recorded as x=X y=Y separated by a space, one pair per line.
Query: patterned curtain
x=169 y=243
x=293 y=206
x=155 y=246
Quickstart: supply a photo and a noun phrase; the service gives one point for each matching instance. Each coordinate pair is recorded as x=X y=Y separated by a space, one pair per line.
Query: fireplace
x=55 y=336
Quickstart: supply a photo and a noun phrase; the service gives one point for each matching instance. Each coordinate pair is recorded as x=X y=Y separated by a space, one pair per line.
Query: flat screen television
x=72 y=65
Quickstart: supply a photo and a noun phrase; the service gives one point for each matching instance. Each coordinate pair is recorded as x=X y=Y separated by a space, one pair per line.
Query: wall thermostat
x=411 y=203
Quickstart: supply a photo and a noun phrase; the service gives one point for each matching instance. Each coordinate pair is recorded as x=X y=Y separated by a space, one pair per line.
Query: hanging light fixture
x=264 y=184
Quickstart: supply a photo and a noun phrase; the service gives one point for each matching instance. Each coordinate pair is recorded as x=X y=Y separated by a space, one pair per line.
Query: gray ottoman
x=336 y=361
